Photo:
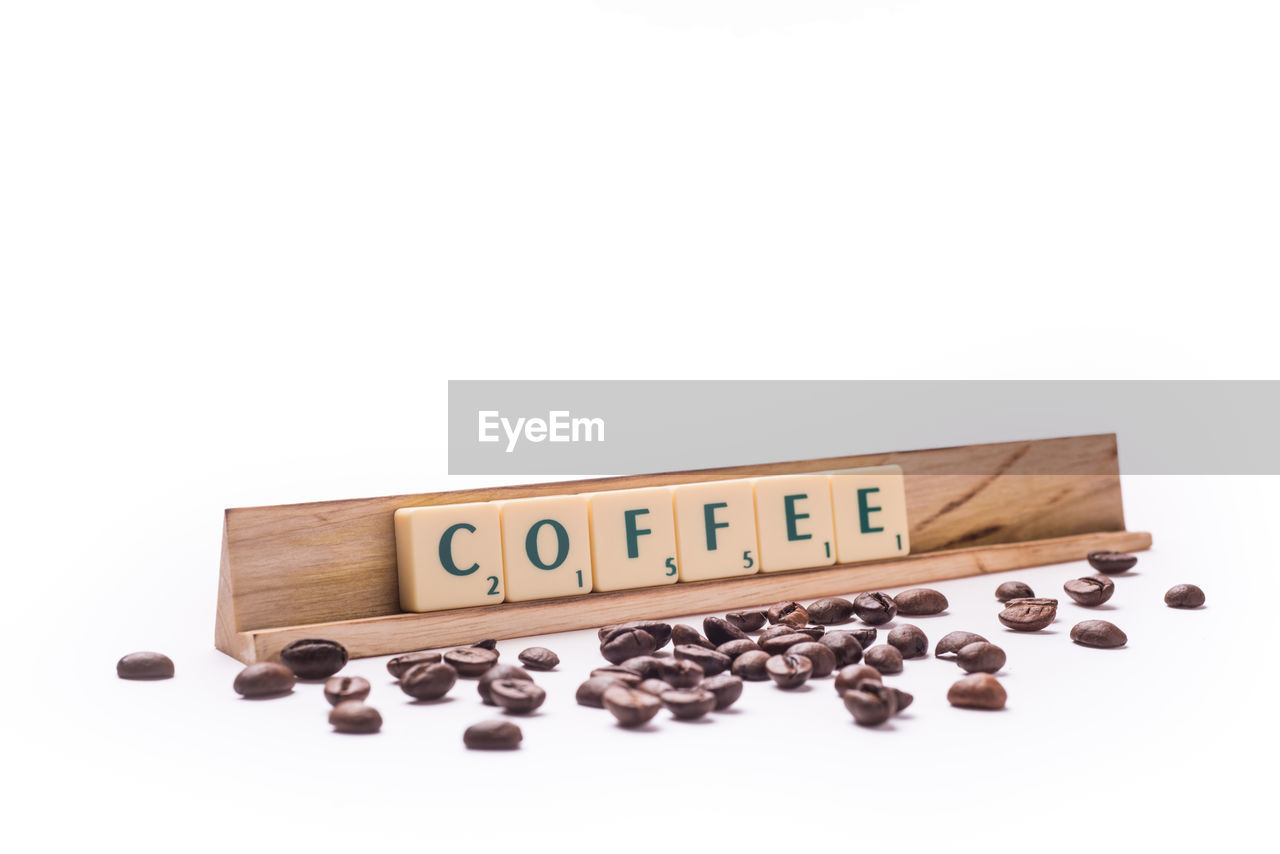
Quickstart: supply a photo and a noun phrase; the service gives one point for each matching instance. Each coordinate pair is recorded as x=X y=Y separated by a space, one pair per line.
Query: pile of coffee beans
x=704 y=671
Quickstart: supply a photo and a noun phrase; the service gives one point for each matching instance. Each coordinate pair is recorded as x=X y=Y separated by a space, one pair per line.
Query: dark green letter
x=633 y=533
x=562 y=544
x=446 y=549
x=793 y=516
x=709 y=513
x=864 y=512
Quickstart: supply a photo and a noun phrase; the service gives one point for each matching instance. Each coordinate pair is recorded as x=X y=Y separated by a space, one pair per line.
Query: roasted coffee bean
x=726 y=688
x=874 y=609
x=830 y=611
x=814 y=632
x=470 y=661
x=627 y=644
x=871 y=703
x=355 y=718
x=681 y=673
x=775 y=631
x=682 y=635
x=848 y=677
x=659 y=631
x=980 y=657
x=903 y=699
x=1112 y=562
x=788 y=613
x=428 y=681
x=688 y=703
x=145 y=665
x=908 y=640
x=1091 y=590
x=644 y=666
x=720 y=631
x=1184 y=596
x=1098 y=633
x=632 y=707
x=751 y=666
x=709 y=660
x=1014 y=590
x=735 y=648
x=342 y=689
x=492 y=735
x=977 y=691
x=517 y=696
x=654 y=686
x=484 y=685
x=779 y=644
x=591 y=692
x=402 y=664
x=845 y=645
x=314 y=658
x=748 y=621
x=539 y=658
x=619 y=673
x=264 y=679
x=920 y=602
x=820 y=656
x=953 y=642
x=1029 y=615
x=789 y=671
x=884 y=658
x=865 y=635
x=487 y=643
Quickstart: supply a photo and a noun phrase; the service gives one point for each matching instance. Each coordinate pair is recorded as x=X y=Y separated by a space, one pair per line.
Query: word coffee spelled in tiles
x=483 y=553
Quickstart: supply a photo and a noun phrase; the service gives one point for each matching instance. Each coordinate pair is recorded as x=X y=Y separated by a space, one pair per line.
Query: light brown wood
x=405 y=632
x=329 y=563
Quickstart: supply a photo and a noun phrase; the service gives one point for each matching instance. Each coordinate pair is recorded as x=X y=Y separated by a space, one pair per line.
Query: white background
x=243 y=245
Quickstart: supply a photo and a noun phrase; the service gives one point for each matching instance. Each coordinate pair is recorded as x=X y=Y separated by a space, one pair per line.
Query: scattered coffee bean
x=720 y=631
x=1014 y=590
x=1090 y=590
x=654 y=686
x=977 y=691
x=517 y=696
x=845 y=645
x=539 y=658
x=953 y=642
x=866 y=636
x=874 y=609
x=920 y=602
x=487 y=643
x=775 y=631
x=848 y=677
x=470 y=661
x=871 y=703
x=831 y=611
x=627 y=644
x=821 y=657
x=908 y=640
x=735 y=648
x=903 y=700
x=681 y=673
x=1098 y=633
x=1184 y=596
x=621 y=674
x=789 y=671
x=884 y=658
x=726 y=688
x=145 y=665
x=631 y=707
x=264 y=679
x=779 y=644
x=748 y=621
x=659 y=631
x=751 y=666
x=484 y=686
x=401 y=664
x=709 y=660
x=788 y=613
x=1029 y=615
x=689 y=703
x=428 y=681
x=591 y=692
x=814 y=632
x=342 y=689
x=682 y=635
x=355 y=718
x=492 y=735
x=1112 y=562
x=644 y=666
x=314 y=658
x=980 y=657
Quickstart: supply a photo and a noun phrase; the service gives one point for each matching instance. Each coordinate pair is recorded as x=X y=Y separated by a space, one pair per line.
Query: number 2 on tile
x=493 y=585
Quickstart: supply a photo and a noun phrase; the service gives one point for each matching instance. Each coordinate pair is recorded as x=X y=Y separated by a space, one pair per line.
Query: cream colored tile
x=793 y=522
x=716 y=530
x=546 y=547
x=871 y=514
x=449 y=556
x=633 y=538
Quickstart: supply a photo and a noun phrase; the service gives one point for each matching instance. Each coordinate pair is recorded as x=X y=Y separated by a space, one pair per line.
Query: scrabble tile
x=716 y=530
x=546 y=547
x=871 y=514
x=449 y=557
x=793 y=522
x=633 y=538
